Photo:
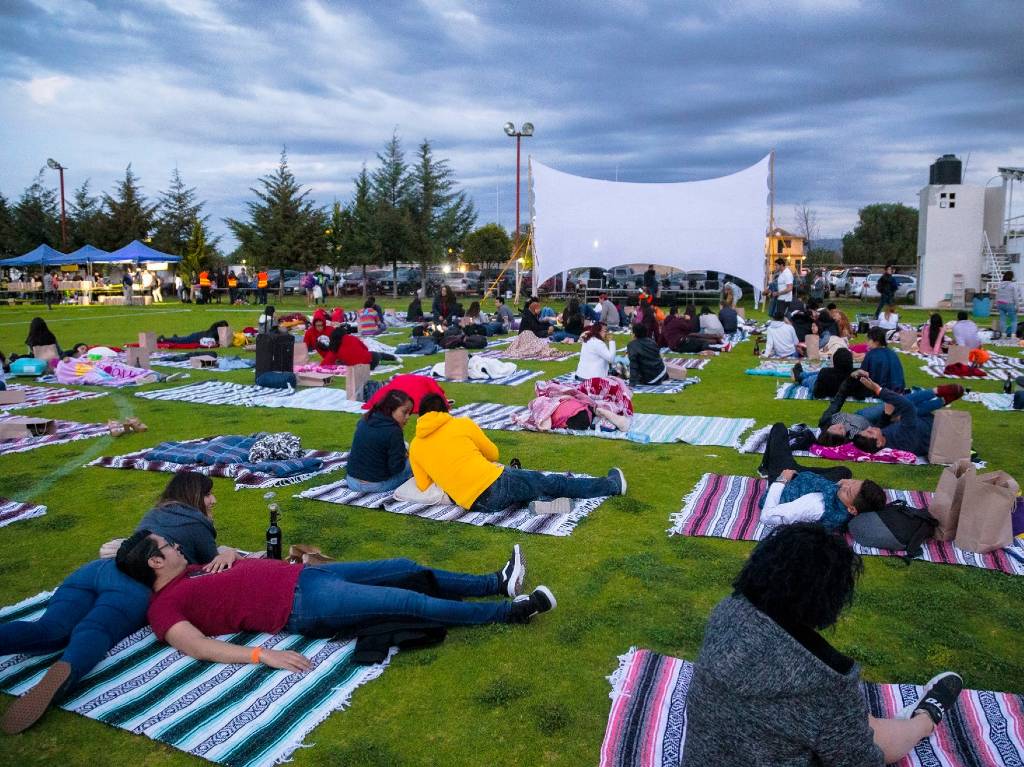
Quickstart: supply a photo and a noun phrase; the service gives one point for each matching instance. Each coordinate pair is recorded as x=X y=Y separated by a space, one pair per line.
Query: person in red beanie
x=417 y=387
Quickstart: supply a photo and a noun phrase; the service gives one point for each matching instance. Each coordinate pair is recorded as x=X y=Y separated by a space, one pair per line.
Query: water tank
x=945 y=170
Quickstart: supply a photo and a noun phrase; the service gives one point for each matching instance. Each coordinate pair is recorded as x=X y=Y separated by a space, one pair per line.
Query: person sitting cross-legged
x=646 y=367
x=454 y=454
x=189 y=606
x=769 y=689
x=378 y=461
x=882 y=363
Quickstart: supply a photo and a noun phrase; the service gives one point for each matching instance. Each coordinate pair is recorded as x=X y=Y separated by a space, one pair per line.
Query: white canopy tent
x=716 y=223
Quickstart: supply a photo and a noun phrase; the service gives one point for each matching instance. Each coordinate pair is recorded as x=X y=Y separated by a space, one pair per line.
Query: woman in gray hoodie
x=769 y=689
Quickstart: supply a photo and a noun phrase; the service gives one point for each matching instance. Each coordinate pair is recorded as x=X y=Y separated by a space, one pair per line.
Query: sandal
x=134 y=424
x=307 y=555
x=116 y=428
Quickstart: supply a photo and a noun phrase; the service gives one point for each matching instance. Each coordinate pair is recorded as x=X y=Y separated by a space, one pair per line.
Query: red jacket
x=352 y=351
x=311 y=335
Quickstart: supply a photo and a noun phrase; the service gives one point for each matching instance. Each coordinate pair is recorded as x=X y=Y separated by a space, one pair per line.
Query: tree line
x=399 y=212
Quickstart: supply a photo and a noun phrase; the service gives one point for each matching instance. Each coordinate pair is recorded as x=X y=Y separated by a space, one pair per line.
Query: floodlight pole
x=63 y=215
x=510 y=130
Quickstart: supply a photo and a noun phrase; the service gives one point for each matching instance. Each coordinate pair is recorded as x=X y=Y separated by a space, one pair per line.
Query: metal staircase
x=997 y=261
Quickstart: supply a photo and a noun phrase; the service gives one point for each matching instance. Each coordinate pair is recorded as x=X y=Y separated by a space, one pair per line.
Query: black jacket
x=378 y=449
x=530 y=321
x=645 y=363
x=886 y=285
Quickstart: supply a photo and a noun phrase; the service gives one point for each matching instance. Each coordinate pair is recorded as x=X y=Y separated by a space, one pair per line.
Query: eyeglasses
x=159 y=549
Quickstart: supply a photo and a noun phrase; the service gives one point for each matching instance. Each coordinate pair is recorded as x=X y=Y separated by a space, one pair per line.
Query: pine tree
x=128 y=215
x=441 y=216
x=6 y=228
x=392 y=187
x=361 y=244
x=36 y=218
x=85 y=218
x=177 y=213
x=284 y=228
x=196 y=254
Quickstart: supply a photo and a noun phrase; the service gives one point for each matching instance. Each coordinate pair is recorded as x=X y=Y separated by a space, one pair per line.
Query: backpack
x=897 y=527
x=475 y=342
x=451 y=341
x=1018 y=400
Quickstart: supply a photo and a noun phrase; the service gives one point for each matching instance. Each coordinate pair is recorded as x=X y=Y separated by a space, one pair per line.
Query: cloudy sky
x=857 y=98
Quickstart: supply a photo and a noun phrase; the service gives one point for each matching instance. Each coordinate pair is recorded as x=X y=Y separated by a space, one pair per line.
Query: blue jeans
x=191 y=338
x=517 y=487
x=334 y=597
x=809 y=379
x=362 y=486
x=92 y=610
x=884 y=299
x=1008 y=318
x=924 y=401
x=561 y=335
x=493 y=328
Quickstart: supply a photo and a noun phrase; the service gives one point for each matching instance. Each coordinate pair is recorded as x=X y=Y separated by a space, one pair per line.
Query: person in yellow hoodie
x=454 y=454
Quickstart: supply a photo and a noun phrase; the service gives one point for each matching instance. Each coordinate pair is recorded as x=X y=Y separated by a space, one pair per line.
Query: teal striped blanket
x=240 y=715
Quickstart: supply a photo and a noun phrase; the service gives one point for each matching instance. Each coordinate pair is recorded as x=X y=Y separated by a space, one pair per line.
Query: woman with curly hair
x=769 y=689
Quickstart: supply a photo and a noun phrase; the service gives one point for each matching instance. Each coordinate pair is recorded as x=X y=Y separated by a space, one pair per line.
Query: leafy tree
x=36 y=218
x=6 y=228
x=177 y=213
x=441 y=216
x=85 y=218
x=128 y=214
x=284 y=227
x=338 y=226
x=360 y=243
x=821 y=257
x=392 y=188
x=886 y=232
x=487 y=245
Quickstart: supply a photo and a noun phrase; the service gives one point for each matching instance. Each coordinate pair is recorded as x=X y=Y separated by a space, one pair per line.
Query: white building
x=966 y=231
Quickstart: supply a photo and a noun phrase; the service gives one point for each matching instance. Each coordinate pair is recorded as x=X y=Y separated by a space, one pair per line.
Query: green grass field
x=525 y=695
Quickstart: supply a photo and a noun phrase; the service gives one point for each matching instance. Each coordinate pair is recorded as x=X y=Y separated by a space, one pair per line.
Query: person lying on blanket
x=825 y=383
x=378 y=460
x=454 y=454
x=190 y=605
x=900 y=422
x=768 y=688
x=799 y=494
x=97 y=605
x=197 y=337
x=344 y=348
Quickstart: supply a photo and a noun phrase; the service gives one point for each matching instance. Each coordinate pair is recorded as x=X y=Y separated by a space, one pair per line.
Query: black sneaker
x=512 y=575
x=515 y=463
x=617 y=475
x=939 y=696
x=526 y=607
x=798 y=370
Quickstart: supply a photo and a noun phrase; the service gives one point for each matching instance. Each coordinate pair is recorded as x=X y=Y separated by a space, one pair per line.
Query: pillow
x=432 y=496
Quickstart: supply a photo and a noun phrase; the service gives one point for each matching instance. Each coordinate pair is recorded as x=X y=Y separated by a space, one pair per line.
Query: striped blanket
x=67 y=431
x=790 y=390
x=513 y=519
x=689 y=363
x=725 y=506
x=515 y=379
x=991 y=400
x=241 y=715
x=555 y=356
x=647 y=722
x=224 y=393
x=15 y=511
x=245 y=478
x=995 y=360
x=938 y=370
x=694 y=430
x=36 y=396
x=755 y=443
x=668 y=386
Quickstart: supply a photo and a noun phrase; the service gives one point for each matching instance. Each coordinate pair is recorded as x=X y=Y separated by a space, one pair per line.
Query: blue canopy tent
x=136 y=252
x=44 y=255
x=87 y=253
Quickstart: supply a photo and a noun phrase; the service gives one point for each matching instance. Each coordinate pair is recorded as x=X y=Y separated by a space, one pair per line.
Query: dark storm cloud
x=857 y=98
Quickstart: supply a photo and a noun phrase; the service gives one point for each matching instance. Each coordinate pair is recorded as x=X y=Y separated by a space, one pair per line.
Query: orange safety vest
x=204 y=279
x=261 y=280
x=232 y=281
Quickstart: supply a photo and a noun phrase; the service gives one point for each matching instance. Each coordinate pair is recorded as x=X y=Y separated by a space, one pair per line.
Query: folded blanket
x=45 y=395
x=647 y=722
x=67 y=431
x=101 y=373
x=16 y=511
x=233 y=449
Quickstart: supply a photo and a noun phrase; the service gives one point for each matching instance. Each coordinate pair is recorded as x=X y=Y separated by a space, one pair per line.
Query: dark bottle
x=1007 y=386
x=757 y=346
x=273 y=535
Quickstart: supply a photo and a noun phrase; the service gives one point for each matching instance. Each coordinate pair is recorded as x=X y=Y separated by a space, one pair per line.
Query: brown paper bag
x=676 y=372
x=21 y=427
x=812 y=345
x=313 y=379
x=202 y=361
x=225 y=336
x=985 y=522
x=456 y=364
x=355 y=378
x=11 y=397
x=951 y=437
x=300 y=354
x=46 y=353
x=948 y=498
x=957 y=354
x=137 y=356
x=907 y=340
x=741 y=312
x=147 y=340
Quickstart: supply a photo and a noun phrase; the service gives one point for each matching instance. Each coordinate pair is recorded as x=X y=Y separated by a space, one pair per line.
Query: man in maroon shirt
x=189 y=605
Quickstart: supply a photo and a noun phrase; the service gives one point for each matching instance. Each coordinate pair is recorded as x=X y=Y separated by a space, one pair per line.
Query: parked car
x=849 y=281
x=906 y=287
x=623 y=277
x=408 y=282
x=833 y=278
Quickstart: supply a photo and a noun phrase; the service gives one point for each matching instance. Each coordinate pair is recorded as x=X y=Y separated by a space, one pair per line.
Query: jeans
x=262 y=296
x=809 y=379
x=334 y=597
x=884 y=299
x=191 y=338
x=92 y=610
x=561 y=335
x=376 y=357
x=924 y=401
x=493 y=328
x=362 y=486
x=778 y=456
x=517 y=487
x=1008 y=318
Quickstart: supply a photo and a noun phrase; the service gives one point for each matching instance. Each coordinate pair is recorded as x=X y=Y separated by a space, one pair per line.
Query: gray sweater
x=186 y=526
x=761 y=697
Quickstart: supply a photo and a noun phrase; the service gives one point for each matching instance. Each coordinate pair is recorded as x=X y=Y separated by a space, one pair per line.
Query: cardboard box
x=147 y=340
x=355 y=378
x=11 y=397
x=137 y=357
x=812 y=346
x=203 y=361
x=676 y=372
x=225 y=336
x=313 y=379
x=300 y=354
x=21 y=427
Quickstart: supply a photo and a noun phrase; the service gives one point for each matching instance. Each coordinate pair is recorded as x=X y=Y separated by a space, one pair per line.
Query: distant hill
x=829 y=243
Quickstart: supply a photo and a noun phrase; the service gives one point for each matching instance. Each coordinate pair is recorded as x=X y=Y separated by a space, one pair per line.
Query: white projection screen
x=717 y=224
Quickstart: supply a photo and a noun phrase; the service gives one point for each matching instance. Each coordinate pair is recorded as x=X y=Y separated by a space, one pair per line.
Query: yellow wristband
x=257 y=653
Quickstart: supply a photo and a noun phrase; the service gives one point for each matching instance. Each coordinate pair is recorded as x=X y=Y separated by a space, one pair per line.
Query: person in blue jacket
x=379 y=460
x=882 y=364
